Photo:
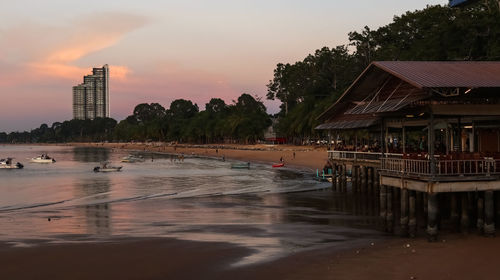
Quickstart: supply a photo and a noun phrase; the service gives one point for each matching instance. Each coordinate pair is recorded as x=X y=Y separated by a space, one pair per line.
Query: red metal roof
x=442 y=74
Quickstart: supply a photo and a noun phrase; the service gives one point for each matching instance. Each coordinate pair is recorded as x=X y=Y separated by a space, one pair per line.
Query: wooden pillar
x=390 y=213
x=362 y=179
x=355 y=178
x=334 y=176
x=404 y=212
x=369 y=179
x=376 y=180
x=480 y=212
x=489 y=216
x=383 y=206
x=344 y=177
x=412 y=208
x=454 y=211
x=432 y=216
x=464 y=218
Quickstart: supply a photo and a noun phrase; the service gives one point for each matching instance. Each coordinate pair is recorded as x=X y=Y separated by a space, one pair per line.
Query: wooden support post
x=432 y=215
x=425 y=205
x=354 y=178
x=480 y=212
x=454 y=211
x=404 y=212
x=376 y=180
x=344 y=177
x=489 y=213
x=369 y=179
x=334 y=176
x=362 y=179
x=383 y=207
x=464 y=218
x=390 y=215
x=412 y=207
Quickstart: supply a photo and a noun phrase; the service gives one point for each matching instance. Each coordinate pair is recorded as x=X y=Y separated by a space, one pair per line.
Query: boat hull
x=278 y=165
x=37 y=160
x=109 y=169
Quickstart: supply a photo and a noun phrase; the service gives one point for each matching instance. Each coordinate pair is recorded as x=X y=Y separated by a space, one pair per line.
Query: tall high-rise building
x=91 y=98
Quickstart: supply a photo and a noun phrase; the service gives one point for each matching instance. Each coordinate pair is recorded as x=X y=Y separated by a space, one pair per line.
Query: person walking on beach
x=293 y=155
x=281 y=159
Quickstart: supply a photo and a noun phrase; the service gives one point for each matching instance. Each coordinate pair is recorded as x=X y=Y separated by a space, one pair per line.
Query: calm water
x=271 y=211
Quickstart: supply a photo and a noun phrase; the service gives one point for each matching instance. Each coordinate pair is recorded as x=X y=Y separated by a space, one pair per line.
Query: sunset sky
x=159 y=51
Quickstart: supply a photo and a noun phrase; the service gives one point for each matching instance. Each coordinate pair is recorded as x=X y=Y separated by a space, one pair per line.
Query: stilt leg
x=432 y=215
x=383 y=207
x=480 y=213
x=454 y=211
x=404 y=212
x=390 y=215
x=362 y=180
x=489 y=217
x=464 y=218
x=412 y=222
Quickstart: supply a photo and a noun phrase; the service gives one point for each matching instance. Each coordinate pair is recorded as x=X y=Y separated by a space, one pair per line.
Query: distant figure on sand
x=293 y=155
x=223 y=158
x=281 y=159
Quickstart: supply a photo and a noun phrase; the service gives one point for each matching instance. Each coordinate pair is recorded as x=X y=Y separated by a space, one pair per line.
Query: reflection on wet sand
x=97 y=216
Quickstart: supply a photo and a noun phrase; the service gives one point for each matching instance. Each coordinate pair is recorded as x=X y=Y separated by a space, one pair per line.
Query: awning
x=348 y=124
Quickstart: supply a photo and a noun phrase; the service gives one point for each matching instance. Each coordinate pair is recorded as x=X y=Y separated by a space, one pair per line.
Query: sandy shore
x=455 y=256
x=470 y=257
x=306 y=157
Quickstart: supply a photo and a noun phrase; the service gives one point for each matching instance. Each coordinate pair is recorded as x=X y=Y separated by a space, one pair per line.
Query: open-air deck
x=406 y=129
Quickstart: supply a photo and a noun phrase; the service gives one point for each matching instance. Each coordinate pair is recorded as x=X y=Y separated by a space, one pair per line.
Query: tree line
x=244 y=121
x=305 y=88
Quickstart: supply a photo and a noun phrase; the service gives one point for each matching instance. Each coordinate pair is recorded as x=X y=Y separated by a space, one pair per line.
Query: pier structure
x=423 y=139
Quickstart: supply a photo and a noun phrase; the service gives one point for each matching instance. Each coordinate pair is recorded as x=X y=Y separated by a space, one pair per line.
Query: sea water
x=272 y=211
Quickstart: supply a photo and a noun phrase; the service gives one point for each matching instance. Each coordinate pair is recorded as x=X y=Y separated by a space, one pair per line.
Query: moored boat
x=107 y=168
x=9 y=164
x=43 y=158
x=132 y=159
x=277 y=165
x=240 y=165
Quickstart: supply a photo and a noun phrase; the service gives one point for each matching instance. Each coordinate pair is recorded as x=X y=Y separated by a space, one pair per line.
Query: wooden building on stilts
x=424 y=134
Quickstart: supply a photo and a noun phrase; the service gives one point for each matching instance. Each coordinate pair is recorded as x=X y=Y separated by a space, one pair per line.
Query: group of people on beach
x=174 y=158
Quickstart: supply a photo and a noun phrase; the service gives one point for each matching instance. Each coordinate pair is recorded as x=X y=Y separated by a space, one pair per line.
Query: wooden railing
x=469 y=167
x=362 y=156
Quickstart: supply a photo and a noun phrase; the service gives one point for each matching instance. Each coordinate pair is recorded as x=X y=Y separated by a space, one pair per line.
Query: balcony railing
x=397 y=165
x=422 y=167
x=359 y=156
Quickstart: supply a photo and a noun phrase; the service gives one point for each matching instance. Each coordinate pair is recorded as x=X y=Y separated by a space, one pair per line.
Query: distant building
x=91 y=98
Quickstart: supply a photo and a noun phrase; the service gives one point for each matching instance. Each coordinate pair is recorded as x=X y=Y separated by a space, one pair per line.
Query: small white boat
x=107 y=168
x=132 y=159
x=9 y=164
x=43 y=158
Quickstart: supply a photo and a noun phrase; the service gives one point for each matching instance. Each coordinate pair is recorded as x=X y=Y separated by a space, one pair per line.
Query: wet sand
x=470 y=257
x=306 y=157
x=455 y=256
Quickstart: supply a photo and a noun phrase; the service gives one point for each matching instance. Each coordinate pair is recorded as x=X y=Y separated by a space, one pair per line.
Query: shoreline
x=307 y=158
x=465 y=256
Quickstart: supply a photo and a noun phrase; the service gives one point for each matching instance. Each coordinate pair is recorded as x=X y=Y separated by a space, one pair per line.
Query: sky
x=162 y=50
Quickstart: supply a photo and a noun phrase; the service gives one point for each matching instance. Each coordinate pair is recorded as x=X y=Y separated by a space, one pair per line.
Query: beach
x=308 y=158
x=454 y=256
x=457 y=257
